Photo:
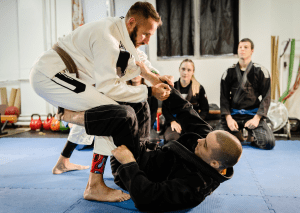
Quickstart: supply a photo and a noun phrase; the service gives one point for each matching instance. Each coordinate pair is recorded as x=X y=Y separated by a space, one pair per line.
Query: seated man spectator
x=179 y=175
x=241 y=87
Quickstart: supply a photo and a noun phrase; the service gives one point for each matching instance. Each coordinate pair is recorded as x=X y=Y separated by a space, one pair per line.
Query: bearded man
x=80 y=72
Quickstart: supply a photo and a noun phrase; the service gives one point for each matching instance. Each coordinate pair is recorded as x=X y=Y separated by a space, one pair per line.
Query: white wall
x=285 y=23
x=285 y=16
x=23 y=39
x=258 y=21
x=27 y=34
x=9 y=46
x=94 y=10
x=254 y=23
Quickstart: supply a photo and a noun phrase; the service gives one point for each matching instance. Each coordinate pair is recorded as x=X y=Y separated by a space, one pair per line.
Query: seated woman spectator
x=193 y=92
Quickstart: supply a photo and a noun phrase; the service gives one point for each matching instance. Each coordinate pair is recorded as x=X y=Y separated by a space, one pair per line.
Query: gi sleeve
x=144 y=58
x=265 y=89
x=167 y=195
x=225 y=94
x=188 y=118
x=105 y=49
x=167 y=114
x=203 y=103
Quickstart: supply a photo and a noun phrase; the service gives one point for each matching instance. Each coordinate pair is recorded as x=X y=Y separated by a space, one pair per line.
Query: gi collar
x=185 y=150
x=190 y=92
x=125 y=38
x=242 y=81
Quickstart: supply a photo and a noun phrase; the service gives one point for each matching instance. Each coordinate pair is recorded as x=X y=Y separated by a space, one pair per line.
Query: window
x=197 y=27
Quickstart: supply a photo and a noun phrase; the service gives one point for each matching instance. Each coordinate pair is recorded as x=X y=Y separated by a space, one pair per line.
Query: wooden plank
x=18 y=100
x=12 y=97
x=3 y=94
x=2 y=109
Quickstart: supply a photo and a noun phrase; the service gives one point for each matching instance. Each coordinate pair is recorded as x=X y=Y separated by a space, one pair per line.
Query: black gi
x=160 y=180
x=257 y=83
x=199 y=102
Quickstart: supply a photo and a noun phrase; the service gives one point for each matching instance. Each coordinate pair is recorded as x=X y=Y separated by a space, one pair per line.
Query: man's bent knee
x=266 y=142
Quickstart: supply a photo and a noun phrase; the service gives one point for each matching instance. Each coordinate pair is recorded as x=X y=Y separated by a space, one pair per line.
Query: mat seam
x=73 y=205
x=260 y=188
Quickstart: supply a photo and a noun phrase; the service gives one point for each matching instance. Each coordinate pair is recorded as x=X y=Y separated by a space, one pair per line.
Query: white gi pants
x=66 y=91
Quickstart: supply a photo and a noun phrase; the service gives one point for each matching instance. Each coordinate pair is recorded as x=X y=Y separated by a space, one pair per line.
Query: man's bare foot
x=105 y=194
x=64 y=165
x=98 y=191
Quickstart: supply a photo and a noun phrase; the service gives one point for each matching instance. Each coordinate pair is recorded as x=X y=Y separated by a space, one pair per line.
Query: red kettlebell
x=47 y=122
x=35 y=123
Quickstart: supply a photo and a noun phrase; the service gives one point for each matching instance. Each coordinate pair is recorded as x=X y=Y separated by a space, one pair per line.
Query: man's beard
x=133 y=35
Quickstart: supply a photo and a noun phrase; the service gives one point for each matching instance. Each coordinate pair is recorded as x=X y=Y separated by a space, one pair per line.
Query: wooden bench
x=5 y=119
x=9 y=118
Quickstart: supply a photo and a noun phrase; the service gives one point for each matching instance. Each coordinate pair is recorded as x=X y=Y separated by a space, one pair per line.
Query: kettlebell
x=47 y=122
x=35 y=123
x=55 y=124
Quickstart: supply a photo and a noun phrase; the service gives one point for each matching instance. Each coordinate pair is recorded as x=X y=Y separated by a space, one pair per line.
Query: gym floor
x=25 y=132
x=265 y=181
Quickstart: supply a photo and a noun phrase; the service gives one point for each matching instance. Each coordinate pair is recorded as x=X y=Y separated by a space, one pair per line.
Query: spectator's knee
x=266 y=143
x=270 y=144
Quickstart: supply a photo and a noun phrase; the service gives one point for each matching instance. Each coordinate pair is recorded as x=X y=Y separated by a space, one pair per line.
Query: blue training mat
x=263 y=181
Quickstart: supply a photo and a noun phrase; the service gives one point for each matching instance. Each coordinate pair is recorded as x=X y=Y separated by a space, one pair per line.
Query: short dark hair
x=248 y=40
x=230 y=149
x=144 y=9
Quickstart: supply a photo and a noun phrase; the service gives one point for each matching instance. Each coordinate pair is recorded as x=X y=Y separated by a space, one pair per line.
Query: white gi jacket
x=95 y=49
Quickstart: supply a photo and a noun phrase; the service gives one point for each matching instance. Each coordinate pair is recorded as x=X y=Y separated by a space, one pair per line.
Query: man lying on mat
x=178 y=175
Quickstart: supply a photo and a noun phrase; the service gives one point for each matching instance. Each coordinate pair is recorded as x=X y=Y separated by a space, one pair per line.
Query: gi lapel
x=190 y=93
x=242 y=80
x=125 y=39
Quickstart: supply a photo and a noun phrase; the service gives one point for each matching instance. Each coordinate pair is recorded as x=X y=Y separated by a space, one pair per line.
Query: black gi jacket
x=199 y=102
x=258 y=83
x=163 y=181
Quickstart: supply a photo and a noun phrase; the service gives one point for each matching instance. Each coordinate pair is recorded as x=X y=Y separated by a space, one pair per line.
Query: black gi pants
x=120 y=122
x=263 y=135
x=126 y=123
x=171 y=135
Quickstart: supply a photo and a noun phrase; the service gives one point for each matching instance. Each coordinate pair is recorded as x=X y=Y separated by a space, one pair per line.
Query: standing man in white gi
x=94 y=49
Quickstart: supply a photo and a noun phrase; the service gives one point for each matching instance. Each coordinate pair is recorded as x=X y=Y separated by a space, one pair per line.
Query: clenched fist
x=161 y=91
